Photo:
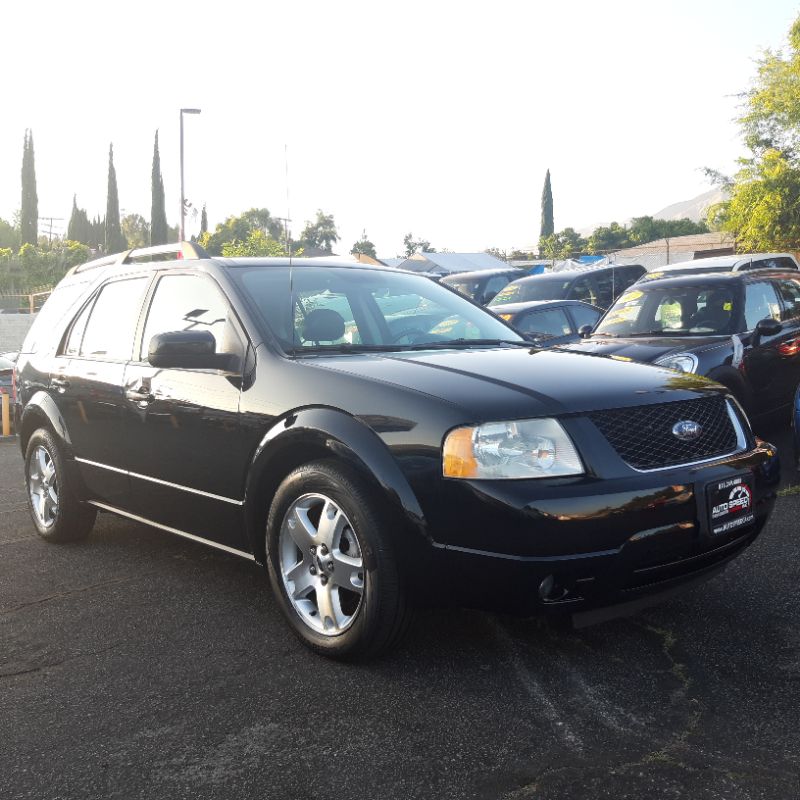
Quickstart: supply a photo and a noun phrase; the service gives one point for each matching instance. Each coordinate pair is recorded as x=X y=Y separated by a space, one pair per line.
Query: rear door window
x=583 y=289
x=111 y=325
x=761 y=301
x=584 y=316
x=790 y=294
x=549 y=323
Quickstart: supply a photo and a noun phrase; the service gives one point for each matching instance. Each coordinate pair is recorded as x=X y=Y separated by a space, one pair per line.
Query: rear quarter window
x=48 y=325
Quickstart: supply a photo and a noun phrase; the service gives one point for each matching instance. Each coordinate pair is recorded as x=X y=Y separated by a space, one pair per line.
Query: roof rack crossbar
x=187 y=250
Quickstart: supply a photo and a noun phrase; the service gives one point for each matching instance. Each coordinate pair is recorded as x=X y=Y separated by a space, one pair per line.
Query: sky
x=436 y=118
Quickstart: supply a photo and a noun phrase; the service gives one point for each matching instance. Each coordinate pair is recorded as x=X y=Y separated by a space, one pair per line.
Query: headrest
x=323 y=325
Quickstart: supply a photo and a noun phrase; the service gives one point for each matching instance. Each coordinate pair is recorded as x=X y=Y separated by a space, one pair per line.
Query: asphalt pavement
x=142 y=665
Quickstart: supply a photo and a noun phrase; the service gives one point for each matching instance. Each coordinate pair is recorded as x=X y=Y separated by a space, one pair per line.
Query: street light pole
x=183 y=199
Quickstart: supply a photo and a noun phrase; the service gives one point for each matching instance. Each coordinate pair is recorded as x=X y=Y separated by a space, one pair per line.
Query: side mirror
x=768 y=327
x=186 y=350
x=585 y=331
x=533 y=338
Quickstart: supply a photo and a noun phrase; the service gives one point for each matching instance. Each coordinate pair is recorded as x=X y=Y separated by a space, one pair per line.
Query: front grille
x=643 y=435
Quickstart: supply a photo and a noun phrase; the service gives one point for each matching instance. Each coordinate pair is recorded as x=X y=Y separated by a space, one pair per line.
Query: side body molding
x=320 y=432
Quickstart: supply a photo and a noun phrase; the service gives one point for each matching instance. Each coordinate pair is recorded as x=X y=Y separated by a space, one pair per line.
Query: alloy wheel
x=321 y=564
x=43 y=486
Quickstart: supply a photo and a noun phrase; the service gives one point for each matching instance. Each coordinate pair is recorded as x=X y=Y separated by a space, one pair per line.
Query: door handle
x=140 y=394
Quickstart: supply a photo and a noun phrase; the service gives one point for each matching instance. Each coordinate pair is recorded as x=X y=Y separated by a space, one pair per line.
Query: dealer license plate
x=730 y=504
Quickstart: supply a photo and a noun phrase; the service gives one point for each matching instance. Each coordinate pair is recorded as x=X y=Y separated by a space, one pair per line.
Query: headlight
x=531 y=448
x=683 y=362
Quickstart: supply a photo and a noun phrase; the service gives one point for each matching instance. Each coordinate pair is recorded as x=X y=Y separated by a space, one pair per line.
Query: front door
x=187 y=457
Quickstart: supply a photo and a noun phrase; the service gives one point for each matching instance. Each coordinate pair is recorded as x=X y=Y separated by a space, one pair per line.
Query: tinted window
x=545 y=324
x=73 y=345
x=112 y=321
x=583 y=290
x=583 y=315
x=790 y=294
x=548 y=287
x=761 y=301
x=493 y=286
x=51 y=314
x=190 y=303
x=607 y=287
x=627 y=276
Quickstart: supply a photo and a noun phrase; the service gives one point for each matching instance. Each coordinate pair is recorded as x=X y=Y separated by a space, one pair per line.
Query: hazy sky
x=438 y=118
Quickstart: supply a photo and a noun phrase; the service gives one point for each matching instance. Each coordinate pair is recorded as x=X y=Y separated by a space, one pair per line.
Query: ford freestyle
x=376 y=440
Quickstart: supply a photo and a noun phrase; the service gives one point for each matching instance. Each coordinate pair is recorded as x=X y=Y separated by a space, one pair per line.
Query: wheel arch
x=42 y=411
x=313 y=434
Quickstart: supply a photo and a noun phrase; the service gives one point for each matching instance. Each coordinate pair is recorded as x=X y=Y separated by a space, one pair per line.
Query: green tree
x=114 y=240
x=564 y=244
x=136 y=230
x=257 y=243
x=29 y=210
x=647 y=229
x=763 y=210
x=203 y=221
x=320 y=233
x=9 y=236
x=158 y=210
x=608 y=238
x=413 y=245
x=79 y=228
x=547 y=227
x=364 y=247
x=238 y=229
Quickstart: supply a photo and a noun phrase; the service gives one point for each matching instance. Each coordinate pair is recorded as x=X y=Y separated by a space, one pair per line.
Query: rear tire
x=57 y=514
x=331 y=563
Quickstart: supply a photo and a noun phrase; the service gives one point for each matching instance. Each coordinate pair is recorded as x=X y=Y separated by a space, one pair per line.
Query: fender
x=732 y=379
x=320 y=432
x=42 y=407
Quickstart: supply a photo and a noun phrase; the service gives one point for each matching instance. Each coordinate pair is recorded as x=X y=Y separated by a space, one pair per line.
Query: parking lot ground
x=142 y=665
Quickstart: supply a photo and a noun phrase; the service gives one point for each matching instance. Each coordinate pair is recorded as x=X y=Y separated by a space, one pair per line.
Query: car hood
x=643 y=349
x=492 y=383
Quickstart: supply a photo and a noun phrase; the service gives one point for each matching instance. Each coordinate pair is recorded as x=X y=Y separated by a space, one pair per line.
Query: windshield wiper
x=345 y=347
x=467 y=343
x=659 y=332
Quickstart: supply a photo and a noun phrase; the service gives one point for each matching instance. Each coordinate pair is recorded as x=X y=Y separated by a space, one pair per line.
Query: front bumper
x=585 y=543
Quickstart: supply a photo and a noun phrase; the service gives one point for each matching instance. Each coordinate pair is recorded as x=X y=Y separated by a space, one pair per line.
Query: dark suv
x=278 y=411
x=742 y=329
x=597 y=286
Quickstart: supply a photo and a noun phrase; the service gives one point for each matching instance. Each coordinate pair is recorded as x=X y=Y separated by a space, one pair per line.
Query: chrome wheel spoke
x=301 y=529
x=329 y=619
x=43 y=486
x=41 y=461
x=331 y=523
x=301 y=580
x=348 y=573
x=49 y=472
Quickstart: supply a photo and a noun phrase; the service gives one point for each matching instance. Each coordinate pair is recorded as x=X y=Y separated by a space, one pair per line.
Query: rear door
x=764 y=365
x=87 y=385
x=788 y=342
x=187 y=460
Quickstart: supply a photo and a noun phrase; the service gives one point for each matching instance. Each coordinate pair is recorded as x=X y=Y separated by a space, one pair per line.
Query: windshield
x=342 y=309
x=673 y=311
x=537 y=288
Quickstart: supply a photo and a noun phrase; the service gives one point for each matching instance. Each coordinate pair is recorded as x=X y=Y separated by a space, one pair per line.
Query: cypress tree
x=115 y=241
x=203 y=221
x=79 y=228
x=29 y=209
x=158 y=211
x=547 y=227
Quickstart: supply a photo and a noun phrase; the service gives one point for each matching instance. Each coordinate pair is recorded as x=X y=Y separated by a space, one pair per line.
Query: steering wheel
x=408 y=332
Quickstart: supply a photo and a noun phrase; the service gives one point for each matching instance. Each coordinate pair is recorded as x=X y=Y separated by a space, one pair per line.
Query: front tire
x=332 y=565
x=57 y=514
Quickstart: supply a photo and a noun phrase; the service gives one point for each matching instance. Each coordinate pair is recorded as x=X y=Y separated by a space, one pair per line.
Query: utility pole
x=182 y=236
x=50 y=220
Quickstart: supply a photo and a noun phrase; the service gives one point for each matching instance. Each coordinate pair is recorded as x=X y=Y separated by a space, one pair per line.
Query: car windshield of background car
x=674 y=311
x=550 y=288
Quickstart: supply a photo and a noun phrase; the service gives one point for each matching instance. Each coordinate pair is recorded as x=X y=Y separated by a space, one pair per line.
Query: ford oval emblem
x=687 y=430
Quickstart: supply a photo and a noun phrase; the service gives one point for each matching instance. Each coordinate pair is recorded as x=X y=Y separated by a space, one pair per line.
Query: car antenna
x=286 y=222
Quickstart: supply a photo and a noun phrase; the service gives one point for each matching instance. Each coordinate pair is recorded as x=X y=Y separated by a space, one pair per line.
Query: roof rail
x=185 y=250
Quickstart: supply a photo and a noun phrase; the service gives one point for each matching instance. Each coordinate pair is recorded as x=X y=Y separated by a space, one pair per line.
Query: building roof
x=676 y=249
x=443 y=263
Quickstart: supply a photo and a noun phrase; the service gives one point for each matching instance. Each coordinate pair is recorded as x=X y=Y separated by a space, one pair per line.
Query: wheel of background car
x=408 y=332
x=57 y=514
x=331 y=563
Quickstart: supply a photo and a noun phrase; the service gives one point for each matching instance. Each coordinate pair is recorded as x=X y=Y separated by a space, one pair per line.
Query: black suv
x=597 y=286
x=481 y=286
x=276 y=411
x=741 y=329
